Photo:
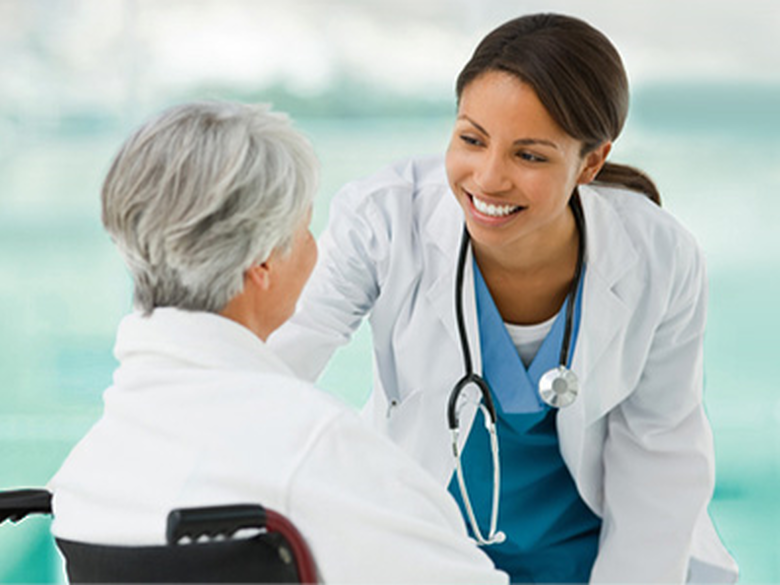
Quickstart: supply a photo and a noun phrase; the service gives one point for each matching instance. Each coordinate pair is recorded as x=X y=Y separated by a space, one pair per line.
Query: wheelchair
x=204 y=545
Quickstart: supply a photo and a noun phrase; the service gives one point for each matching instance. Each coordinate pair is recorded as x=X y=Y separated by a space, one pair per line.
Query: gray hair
x=200 y=194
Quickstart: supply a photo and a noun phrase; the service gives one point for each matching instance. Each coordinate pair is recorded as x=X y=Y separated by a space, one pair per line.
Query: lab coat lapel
x=442 y=234
x=606 y=308
x=607 y=303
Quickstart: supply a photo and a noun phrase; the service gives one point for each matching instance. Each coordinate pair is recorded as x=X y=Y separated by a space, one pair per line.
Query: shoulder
x=286 y=398
x=645 y=257
x=393 y=214
x=270 y=422
x=643 y=218
x=406 y=175
x=406 y=184
x=654 y=233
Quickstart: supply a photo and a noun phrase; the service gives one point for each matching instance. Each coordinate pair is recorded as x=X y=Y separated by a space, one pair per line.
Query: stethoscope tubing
x=487 y=407
x=470 y=377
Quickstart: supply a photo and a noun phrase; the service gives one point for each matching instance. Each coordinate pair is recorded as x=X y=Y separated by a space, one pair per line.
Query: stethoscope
x=558 y=387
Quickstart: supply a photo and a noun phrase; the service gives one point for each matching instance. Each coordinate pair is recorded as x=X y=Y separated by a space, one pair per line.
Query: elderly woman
x=209 y=206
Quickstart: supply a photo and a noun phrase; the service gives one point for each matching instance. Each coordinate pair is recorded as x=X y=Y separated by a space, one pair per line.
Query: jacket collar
x=442 y=234
x=177 y=338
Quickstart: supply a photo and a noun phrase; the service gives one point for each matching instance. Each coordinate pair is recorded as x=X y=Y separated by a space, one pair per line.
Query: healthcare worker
x=578 y=300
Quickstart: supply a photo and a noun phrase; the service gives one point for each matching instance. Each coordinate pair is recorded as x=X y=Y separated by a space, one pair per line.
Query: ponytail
x=631 y=178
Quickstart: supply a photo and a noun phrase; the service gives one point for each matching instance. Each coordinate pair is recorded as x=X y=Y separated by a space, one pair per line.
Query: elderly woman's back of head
x=200 y=194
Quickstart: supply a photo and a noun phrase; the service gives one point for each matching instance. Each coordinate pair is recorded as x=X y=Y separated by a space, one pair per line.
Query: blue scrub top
x=552 y=536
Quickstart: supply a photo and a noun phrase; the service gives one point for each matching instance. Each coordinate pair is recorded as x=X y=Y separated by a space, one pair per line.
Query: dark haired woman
x=570 y=307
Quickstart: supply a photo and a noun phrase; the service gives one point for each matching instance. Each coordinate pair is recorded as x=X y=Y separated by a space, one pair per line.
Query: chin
x=490 y=236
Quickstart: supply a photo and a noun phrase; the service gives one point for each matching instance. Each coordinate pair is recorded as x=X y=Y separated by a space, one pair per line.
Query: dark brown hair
x=578 y=76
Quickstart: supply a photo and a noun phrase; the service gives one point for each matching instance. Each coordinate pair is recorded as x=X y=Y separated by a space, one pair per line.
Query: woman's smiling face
x=511 y=167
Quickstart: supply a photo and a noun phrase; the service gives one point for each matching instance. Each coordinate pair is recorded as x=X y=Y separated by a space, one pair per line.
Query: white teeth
x=493 y=210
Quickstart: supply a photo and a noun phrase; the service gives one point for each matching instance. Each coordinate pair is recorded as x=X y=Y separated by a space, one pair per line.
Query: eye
x=530 y=157
x=471 y=140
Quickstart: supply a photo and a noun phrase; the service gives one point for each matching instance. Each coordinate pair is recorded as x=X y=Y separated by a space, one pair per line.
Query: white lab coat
x=636 y=441
x=202 y=412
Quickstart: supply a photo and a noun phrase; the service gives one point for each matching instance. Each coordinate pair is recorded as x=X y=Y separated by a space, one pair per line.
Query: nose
x=491 y=175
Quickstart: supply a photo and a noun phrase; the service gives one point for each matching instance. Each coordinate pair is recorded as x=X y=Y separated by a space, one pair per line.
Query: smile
x=491 y=210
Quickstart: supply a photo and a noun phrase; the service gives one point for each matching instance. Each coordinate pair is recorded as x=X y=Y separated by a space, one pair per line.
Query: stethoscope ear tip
x=499 y=537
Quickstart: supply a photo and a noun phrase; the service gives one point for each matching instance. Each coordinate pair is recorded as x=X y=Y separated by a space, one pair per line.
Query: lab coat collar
x=442 y=232
x=610 y=251
x=611 y=257
x=209 y=341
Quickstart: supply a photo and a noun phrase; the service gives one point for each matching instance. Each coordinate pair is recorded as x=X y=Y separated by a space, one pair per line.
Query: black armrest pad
x=213 y=521
x=16 y=504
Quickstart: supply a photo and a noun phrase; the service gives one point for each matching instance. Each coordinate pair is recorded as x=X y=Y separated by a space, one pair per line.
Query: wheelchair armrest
x=16 y=504
x=213 y=521
x=226 y=520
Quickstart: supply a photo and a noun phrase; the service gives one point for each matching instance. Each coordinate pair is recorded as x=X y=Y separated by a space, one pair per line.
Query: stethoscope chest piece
x=559 y=387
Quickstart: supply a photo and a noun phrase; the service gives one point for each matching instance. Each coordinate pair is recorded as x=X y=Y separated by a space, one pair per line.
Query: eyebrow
x=518 y=142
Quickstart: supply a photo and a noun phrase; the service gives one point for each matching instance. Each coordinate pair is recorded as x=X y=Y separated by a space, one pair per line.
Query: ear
x=259 y=275
x=593 y=162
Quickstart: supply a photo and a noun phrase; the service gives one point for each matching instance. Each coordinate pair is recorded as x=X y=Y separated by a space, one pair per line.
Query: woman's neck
x=530 y=281
x=540 y=252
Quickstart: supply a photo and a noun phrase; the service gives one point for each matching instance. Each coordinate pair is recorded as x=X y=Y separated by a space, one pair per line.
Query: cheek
x=575 y=170
x=548 y=186
x=457 y=175
x=534 y=184
x=455 y=163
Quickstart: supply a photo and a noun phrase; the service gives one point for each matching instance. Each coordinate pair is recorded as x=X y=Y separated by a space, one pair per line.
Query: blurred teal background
x=368 y=82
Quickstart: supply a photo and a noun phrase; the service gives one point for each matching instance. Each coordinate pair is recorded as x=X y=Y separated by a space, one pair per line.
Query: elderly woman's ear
x=260 y=275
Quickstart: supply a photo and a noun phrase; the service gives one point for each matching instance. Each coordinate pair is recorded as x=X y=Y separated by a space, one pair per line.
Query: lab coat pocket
x=404 y=420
